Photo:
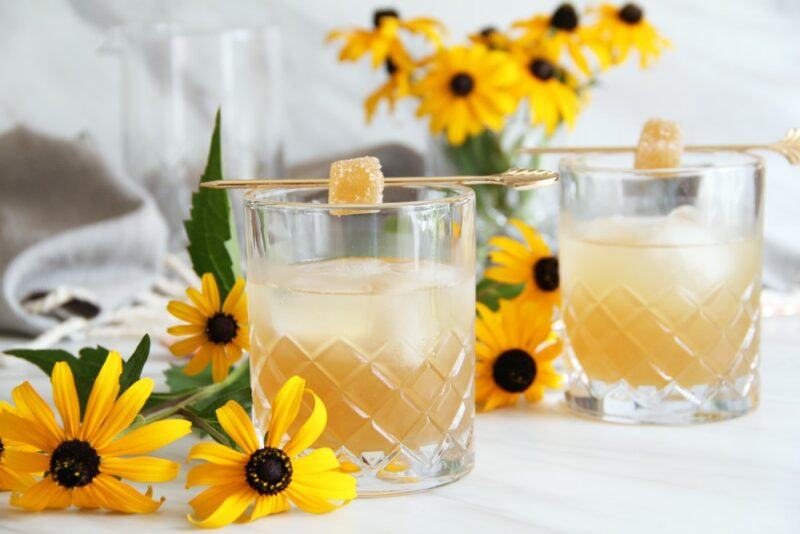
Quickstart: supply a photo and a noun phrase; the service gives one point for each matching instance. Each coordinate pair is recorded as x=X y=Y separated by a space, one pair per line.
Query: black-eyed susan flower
x=529 y=262
x=550 y=89
x=383 y=41
x=515 y=349
x=492 y=38
x=625 y=29
x=397 y=86
x=467 y=90
x=217 y=331
x=85 y=460
x=268 y=477
x=19 y=478
x=562 y=31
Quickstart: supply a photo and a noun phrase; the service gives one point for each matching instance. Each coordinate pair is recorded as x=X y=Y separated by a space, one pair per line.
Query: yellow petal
x=227 y=512
x=510 y=246
x=232 y=300
x=318 y=461
x=535 y=242
x=307 y=434
x=87 y=497
x=308 y=502
x=65 y=397
x=25 y=431
x=101 y=399
x=219 y=364
x=205 y=502
x=199 y=361
x=141 y=468
x=14 y=480
x=188 y=313
x=330 y=485
x=42 y=495
x=211 y=291
x=122 y=497
x=186 y=329
x=284 y=409
x=124 y=412
x=215 y=475
x=187 y=346
x=26 y=462
x=200 y=302
x=269 y=504
x=217 y=454
x=148 y=438
x=505 y=275
x=237 y=424
x=32 y=407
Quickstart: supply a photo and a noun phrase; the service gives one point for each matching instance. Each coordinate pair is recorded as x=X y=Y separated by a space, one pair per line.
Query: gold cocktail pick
x=514 y=178
x=788 y=147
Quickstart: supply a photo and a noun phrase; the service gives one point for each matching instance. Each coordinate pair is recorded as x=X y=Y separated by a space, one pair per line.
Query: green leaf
x=177 y=380
x=132 y=368
x=490 y=292
x=213 y=243
x=86 y=367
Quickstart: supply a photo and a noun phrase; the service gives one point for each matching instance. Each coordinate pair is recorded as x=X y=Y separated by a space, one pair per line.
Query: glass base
x=388 y=481
x=626 y=404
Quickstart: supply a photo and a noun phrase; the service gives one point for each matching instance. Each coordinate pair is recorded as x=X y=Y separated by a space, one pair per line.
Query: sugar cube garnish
x=356 y=181
x=660 y=145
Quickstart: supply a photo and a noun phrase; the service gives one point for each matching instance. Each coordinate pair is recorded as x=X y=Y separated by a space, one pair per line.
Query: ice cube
x=356 y=181
x=660 y=145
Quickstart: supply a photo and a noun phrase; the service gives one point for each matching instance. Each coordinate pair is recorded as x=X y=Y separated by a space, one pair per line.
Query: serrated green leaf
x=213 y=243
x=133 y=366
x=490 y=292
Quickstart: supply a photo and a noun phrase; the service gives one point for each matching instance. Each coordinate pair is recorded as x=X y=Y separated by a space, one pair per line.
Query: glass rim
x=256 y=199
x=578 y=163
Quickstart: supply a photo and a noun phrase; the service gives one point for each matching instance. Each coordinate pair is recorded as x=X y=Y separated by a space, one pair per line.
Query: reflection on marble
x=542 y=469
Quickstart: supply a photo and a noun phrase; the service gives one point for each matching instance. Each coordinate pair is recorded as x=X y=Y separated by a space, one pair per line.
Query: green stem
x=202 y=424
x=175 y=406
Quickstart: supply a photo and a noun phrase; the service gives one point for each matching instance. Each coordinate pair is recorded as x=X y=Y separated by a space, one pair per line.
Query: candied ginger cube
x=660 y=145
x=356 y=181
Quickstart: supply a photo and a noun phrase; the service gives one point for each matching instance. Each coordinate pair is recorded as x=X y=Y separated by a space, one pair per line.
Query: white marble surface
x=541 y=469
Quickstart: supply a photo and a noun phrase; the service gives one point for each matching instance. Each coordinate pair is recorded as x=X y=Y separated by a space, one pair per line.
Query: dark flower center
x=542 y=69
x=462 y=84
x=514 y=370
x=564 y=18
x=221 y=328
x=268 y=471
x=631 y=13
x=488 y=31
x=74 y=464
x=2 y=449
x=545 y=273
x=391 y=67
x=381 y=14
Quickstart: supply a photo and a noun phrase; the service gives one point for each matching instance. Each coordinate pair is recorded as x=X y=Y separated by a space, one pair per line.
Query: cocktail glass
x=373 y=305
x=661 y=277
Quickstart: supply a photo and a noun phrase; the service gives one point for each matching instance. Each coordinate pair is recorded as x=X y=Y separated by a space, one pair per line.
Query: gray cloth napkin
x=70 y=230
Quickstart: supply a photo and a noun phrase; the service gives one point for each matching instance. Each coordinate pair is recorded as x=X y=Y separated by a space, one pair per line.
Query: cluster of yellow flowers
x=516 y=345
x=82 y=461
x=466 y=89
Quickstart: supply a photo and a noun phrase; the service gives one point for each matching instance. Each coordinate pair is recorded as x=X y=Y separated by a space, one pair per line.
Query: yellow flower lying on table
x=83 y=460
x=218 y=332
x=515 y=349
x=467 y=90
x=530 y=263
x=20 y=478
x=268 y=477
x=625 y=28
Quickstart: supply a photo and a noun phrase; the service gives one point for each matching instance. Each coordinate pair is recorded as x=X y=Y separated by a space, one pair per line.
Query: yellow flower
x=466 y=90
x=625 y=28
x=218 y=332
x=82 y=459
x=13 y=479
x=492 y=38
x=515 y=349
x=550 y=89
x=397 y=86
x=268 y=477
x=530 y=263
x=562 y=31
x=383 y=40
